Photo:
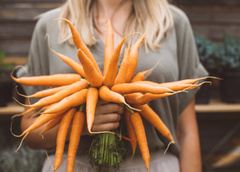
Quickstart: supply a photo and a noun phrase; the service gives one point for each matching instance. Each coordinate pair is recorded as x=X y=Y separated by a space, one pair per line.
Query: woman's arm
x=107 y=117
x=34 y=140
x=188 y=137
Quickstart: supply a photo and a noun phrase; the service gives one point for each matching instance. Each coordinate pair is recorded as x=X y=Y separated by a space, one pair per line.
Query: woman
x=168 y=37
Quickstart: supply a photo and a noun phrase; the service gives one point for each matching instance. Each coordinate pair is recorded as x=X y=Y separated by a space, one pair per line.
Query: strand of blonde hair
x=152 y=14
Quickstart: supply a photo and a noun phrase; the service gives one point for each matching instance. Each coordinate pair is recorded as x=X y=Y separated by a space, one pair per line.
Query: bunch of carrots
x=72 y=99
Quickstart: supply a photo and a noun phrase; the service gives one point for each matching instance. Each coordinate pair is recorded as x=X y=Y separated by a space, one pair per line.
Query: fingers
x=105 y=127
x=109 y=108
x=107 y=116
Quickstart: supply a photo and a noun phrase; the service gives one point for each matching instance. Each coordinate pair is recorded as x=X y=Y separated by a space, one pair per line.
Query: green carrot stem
x=82 y=106
x=129 y=109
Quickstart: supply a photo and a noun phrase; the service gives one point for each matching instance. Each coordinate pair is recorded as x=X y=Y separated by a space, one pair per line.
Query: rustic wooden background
x=17 y=21
x=211 y=17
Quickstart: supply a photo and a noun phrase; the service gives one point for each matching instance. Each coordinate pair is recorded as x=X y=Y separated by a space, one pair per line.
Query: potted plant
x=209 y=54
x=230 y=70
x=6 y=83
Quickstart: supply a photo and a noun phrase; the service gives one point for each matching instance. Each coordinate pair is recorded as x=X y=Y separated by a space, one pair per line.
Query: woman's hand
x=107 y=117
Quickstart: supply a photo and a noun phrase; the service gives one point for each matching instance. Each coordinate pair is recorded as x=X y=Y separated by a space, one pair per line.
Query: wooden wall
x=17 y=19
x=211 y=18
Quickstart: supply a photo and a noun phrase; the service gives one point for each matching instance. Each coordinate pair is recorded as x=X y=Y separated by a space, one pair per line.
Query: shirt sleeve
x=188 y=58
x=38 y=63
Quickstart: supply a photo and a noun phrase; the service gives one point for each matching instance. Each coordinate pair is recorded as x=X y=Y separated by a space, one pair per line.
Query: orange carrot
x=73 y=100
x=177 y=85
x=140 y=76
x=121 y=76
x=193 y=86
x=80 y=44
x=77 y=127
x=41 y=120
x=77 y=67
x=107 y=95
x=77 y=86
x=94 y=78
x=133 y=59
x=139 y=98
x=155 y=120
x=61 y=137
x=91 y=102
x=112 y=69
x=48 y=80
x=110 y=96
x=52 y=123
x=174 y=86
x=141 y=137
x=142 y=87
x=132 y=98
x=193 y=81
x=130 y=131
x=146 y=98
x=46 y=92
x=109 y=46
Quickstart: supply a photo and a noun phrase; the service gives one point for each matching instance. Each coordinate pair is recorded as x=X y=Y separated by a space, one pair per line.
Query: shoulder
x=44 y=20
x=180 y=18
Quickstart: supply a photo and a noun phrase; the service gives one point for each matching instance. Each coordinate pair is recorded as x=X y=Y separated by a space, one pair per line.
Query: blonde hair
x=152 y=16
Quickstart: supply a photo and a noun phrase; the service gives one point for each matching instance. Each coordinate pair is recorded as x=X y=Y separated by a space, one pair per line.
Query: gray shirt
x=179 y=60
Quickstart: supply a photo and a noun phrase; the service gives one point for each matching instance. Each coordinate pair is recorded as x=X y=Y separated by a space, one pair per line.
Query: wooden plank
x=217 y=106
x=215 y=32
x=207 y=2
x=32 y=1
x=211 y=22
x=11 y=108
x=15 y=47
x=221 y=15
x=16 y=60
x=22 y=12
x=16 y=30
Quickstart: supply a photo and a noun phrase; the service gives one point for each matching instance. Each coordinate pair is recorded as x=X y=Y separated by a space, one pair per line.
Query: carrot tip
x=11 y=124
x=20 y=93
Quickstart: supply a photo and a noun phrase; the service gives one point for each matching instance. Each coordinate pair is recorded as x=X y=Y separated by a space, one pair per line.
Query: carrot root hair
x=11 y=124
x=172 y=142
x=20 y=93
x=49 y=160
x=48 y=40
x=21 y=142
x=149 y=71
x=18 y=66
x=135 y=109
x=23 y=113
x=25 y=105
